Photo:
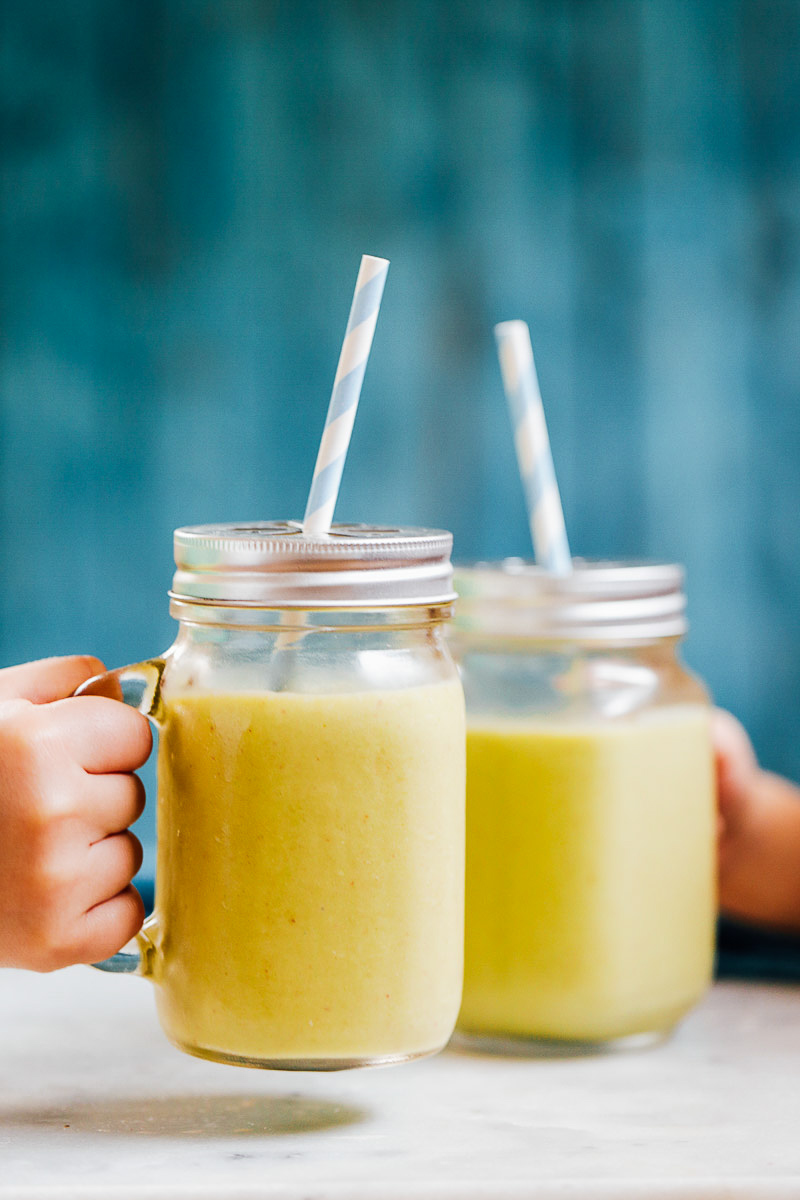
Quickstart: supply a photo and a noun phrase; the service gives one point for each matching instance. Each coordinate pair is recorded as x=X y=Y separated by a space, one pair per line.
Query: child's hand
x=759 y=833
x=737 y=778
x=66 y=801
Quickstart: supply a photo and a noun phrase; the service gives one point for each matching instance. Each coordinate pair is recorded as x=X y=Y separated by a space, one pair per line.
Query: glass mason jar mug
x=590 y=880
x=309 y=882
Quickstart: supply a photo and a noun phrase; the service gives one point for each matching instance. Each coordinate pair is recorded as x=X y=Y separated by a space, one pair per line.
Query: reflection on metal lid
x=273 y=564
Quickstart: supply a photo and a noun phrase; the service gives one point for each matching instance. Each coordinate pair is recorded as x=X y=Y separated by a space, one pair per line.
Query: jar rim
x=616 y=601
x=274 y=564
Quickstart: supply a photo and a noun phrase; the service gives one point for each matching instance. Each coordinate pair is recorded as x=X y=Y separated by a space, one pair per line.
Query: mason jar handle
x=139 y=686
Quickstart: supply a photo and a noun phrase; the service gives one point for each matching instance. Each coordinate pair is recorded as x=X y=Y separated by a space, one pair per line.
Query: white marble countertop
x=94 y=1102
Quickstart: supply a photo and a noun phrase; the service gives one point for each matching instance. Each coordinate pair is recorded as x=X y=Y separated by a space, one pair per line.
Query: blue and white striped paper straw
x=346 y=390
x=545 y=515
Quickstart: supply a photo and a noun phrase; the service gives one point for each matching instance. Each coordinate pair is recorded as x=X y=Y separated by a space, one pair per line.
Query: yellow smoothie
x=310 y=873
x=590 y=875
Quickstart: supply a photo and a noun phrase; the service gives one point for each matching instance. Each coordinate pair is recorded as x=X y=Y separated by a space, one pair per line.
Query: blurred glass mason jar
x=590 y=880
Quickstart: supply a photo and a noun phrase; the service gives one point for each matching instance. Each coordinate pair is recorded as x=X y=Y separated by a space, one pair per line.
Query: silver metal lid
x=597 y=602
x=273 y=564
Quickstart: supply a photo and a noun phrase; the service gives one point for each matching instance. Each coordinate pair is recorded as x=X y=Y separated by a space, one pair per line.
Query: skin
x=67 y=797
x=759 y=835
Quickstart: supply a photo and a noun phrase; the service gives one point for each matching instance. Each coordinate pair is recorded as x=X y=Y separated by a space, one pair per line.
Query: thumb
x=48 y=679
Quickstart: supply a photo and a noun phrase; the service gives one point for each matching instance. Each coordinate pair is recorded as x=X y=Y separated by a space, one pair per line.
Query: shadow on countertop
x=207 y=1116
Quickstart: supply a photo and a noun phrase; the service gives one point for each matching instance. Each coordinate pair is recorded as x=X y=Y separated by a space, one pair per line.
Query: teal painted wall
x=187 y=186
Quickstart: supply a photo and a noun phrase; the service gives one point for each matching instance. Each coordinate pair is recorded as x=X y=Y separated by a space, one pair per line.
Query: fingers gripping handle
x=135 y=961
x=140 y=687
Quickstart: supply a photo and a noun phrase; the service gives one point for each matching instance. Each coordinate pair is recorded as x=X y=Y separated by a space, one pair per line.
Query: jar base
x=521 y=1046
x=301 y=1064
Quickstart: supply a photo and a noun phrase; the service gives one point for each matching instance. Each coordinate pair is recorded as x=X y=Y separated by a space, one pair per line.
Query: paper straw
x=545 y=515
x=346 y=390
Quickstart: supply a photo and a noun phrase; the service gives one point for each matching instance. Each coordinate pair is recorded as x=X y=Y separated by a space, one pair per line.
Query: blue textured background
x=187 y=187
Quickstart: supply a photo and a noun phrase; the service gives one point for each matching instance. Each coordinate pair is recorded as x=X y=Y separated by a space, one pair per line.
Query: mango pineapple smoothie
x=590 y=875
x=310 y=873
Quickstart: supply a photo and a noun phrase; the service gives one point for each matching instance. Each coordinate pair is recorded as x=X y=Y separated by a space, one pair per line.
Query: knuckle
x=53 y=806
x=33 y=762
x=90 y=664
x=20 y=735
x=77 y=669
x=12 y=711
x=45 y=821
x=50 y=875
x=49 y=947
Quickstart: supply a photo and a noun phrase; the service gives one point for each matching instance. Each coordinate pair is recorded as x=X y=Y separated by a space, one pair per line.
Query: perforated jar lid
x=615 y=602
x=273 y=564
